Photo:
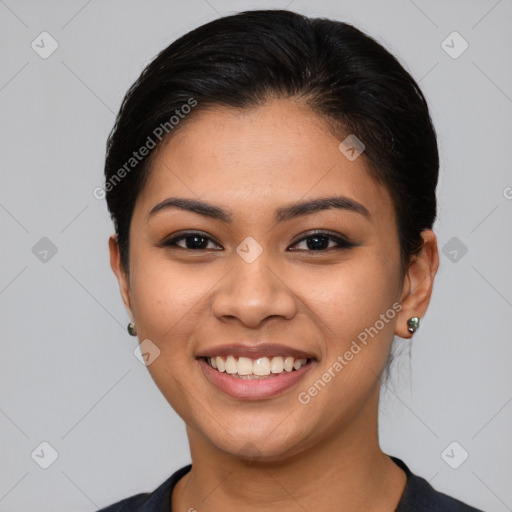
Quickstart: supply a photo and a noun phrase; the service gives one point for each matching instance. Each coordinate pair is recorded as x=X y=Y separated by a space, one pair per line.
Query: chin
x=265 y=444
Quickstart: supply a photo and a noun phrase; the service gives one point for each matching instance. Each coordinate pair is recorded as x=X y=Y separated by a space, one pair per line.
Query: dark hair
x=242 y=61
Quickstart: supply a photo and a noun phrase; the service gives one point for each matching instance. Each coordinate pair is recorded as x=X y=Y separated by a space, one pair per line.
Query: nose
x=254 y=292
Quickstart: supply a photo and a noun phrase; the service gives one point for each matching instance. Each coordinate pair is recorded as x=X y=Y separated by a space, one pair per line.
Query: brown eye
x=319 y=241
x=192 y=241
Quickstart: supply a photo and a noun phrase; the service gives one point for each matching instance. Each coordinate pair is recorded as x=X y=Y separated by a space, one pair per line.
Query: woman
x=272 y=180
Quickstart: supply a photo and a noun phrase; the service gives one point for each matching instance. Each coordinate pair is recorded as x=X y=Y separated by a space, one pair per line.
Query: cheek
x=351 y=297
x=167 y=304
x=171 y=299
x=355 y=310
x=164 y=293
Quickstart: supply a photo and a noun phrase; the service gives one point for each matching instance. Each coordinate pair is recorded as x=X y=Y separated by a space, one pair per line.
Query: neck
x=345 y=471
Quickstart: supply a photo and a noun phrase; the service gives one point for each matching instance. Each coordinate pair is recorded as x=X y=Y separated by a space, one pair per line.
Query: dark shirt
x=418 y=496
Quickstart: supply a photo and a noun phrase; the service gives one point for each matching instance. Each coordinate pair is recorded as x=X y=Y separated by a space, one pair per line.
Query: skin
x=276 y=453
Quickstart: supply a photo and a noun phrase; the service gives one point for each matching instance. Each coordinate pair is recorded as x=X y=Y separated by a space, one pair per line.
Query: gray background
x=68 y=373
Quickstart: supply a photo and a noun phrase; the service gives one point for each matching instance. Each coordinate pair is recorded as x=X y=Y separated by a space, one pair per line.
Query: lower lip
x=253 y=389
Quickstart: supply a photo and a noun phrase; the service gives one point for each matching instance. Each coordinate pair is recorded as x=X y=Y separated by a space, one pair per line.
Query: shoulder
x=155 y=501
x=420 y=496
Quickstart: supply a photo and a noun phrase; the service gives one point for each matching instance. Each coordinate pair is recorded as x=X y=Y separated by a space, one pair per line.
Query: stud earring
x=131 y=329
x=413 y=324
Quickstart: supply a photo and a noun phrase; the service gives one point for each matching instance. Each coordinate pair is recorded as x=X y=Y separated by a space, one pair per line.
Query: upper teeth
x=261 y=366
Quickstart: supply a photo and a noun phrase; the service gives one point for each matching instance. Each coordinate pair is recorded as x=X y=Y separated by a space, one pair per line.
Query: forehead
x=259 y=158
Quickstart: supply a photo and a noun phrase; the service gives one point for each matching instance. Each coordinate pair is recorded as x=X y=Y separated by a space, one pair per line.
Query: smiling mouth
x=260 y=368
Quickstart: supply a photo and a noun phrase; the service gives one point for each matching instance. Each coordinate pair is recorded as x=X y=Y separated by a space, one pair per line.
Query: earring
x=131 y=329
x=413 y=324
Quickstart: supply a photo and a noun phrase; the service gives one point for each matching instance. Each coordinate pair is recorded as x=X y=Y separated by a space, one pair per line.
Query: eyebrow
x=291 y=211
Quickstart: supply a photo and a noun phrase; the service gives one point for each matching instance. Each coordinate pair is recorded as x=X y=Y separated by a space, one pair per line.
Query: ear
x=122 y=278
x=418 y=283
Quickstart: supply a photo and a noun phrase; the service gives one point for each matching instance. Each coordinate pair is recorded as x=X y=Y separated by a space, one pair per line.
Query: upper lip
x=255 y=351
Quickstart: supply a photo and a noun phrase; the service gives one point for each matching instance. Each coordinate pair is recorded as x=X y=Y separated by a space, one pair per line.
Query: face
x=324 y=285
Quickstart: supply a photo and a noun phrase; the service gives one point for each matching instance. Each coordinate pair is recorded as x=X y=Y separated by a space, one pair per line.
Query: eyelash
x=342 y=243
